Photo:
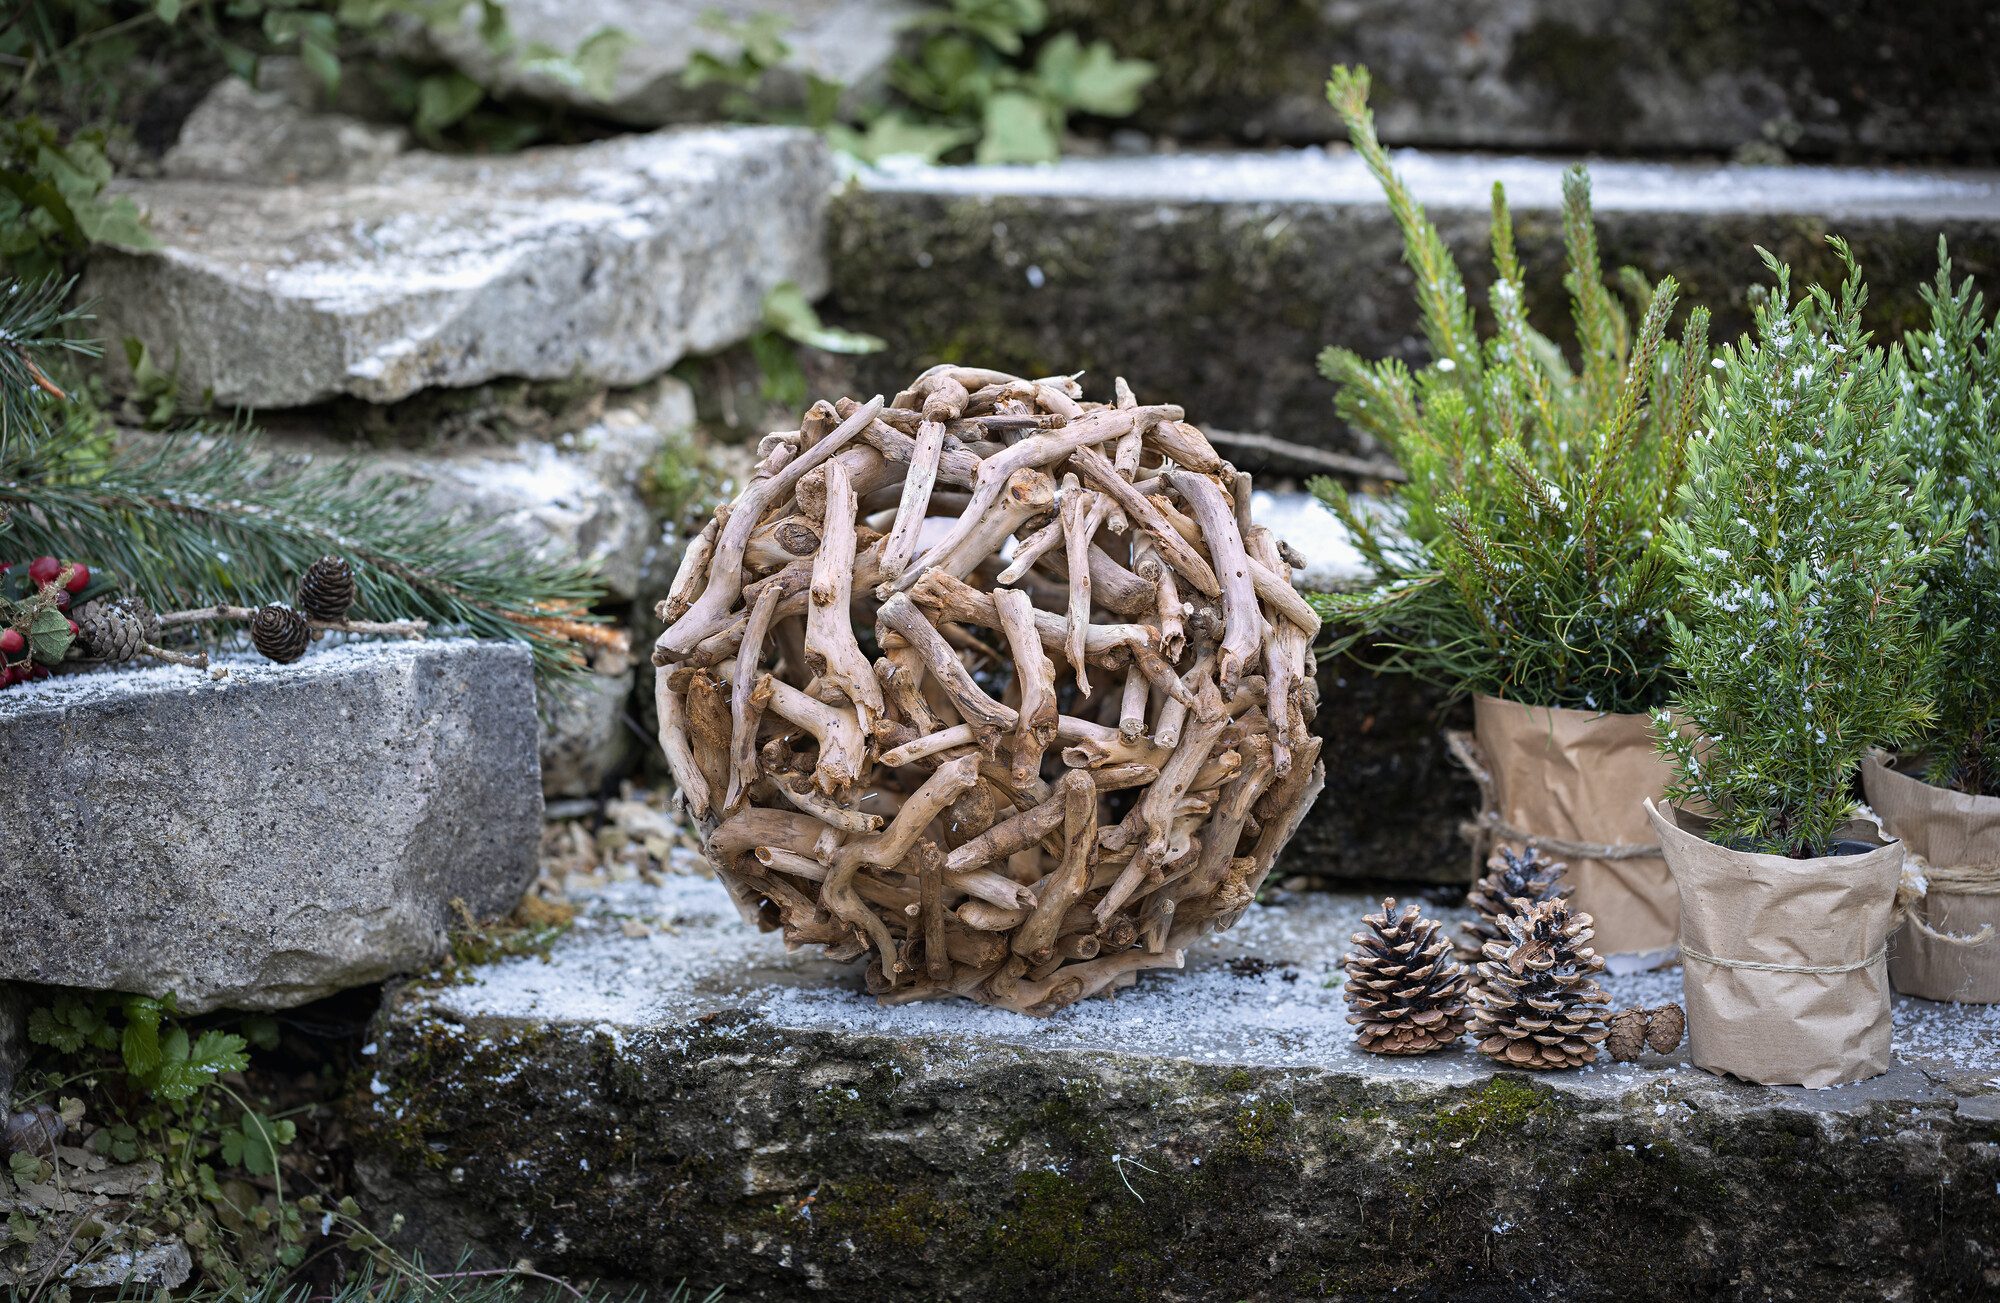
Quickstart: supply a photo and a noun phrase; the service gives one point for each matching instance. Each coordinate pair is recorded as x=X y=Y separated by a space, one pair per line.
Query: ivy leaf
x=898 y=135
x=787 y=312
x=1091 y=78
x=27 y=1168
x=168 y=10
x=443 y=99
x=1019 y=128
x=321 y=61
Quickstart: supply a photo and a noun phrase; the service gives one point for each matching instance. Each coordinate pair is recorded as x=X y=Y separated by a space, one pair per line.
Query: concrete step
x=1214 y=280
x=605 y=262
x=262 y=837
x=1858 y=82
x=670 y=1095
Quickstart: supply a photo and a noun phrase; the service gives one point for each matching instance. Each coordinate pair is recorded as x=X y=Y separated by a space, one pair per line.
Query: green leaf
x=46 y=1028
x=140 y=1045
x=253 y=1143
x=1018 y=128
x=27 y=1168
x=48 y=636
x=787 y=312
x=261 y=1029
x=320 y=60
x=443 y=99
x=168 y=10
x=1091 y=79
x=895 y=135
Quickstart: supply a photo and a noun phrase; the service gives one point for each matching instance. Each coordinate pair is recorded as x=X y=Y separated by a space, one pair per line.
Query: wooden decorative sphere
x=999 y=688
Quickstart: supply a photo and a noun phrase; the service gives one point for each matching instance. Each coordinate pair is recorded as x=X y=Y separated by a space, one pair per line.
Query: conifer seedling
x=1803 y=552
x=1523 y=558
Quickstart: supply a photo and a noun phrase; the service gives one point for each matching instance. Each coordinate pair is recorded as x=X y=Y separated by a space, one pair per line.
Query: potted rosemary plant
x=1523 y=562
x=1946 y=807
x=1806 y=639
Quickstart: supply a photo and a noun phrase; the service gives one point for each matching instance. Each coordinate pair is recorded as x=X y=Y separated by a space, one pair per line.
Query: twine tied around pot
x=1920 y=877
x=1488 y=826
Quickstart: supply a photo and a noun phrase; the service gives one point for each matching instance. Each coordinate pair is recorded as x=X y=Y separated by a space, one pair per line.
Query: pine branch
x=186 y=519
x=34 y=322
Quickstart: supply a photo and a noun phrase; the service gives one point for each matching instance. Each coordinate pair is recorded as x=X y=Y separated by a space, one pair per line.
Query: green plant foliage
x=1803 y=550
x=1523 y=557
x=789 y=320
x=972 y=80
x=52 y=201
x=1950 y=380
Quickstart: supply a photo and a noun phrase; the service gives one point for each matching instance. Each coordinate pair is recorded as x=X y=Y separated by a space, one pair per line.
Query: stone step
x=605 y=262
x=1213 y=281
x=671 y=1095
x=849 y=42
x=1859 y=83
x=271 y=835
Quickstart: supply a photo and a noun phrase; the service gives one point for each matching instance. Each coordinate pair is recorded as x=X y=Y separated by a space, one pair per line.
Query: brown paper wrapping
x=1784 y=1028
x=1583 y=777
x=1948 y=829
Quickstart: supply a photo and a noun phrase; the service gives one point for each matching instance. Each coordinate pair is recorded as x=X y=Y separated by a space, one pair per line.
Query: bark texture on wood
x=932 y=809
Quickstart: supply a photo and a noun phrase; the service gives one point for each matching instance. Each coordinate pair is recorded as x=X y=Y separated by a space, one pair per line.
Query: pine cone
x=1526 y=877
x=1539 y=1006
x=1665 y=1027
x=1627 y=1034
x=115 y=629
x=1405 y=988
x=326 y=590
x=280 y=632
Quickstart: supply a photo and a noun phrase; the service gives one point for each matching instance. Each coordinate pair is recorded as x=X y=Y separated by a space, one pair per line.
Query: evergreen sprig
x=1950 y=380
x=1803 y=552
x=1523 y=557
x=34 y=321
x=203 y=516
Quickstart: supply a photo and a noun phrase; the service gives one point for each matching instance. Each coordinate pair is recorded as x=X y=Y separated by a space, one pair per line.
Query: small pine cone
x=1627 y=1034
x=280 y=633
x=115 y=629
x=1665 y=1027
x=1405 y=988
x=1526 y=877
x=326 y=590
x=1539 y=1005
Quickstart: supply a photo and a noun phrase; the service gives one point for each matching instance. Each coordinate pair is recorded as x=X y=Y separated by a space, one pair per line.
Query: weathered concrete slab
x=269 y=134
x=578 y=496
x=585 y=740
x=606 y=262
x=851 y=42
x=263 y=839
x=1213 y=281
x=1856 y=82
x=696 y=1103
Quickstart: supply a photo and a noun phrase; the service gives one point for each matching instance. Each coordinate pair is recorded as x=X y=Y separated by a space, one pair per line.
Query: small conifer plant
x=1803 y=550
x=1950 y=380
x=1524 y=556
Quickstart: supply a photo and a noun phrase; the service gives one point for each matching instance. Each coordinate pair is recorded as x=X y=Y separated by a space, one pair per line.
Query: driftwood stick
x=831 y=650
x=1147 y=515
x=1030 y=550
x=678 y=745
x=900 y=614
x=834 y=816
x=1081 y=514
x=1132 y=705
x=929 y=862
x=745 y=707
x=842 y=748
x=1072 y=876
x=901 y=546
x=1035 y=674
x=1243 y=622
x=930 y=744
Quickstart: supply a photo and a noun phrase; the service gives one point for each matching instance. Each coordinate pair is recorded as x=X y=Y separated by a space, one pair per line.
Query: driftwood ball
x=996 y=687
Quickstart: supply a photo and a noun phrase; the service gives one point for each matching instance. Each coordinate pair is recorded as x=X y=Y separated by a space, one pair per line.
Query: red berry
x=78 y=580
x=62 y=599
x=72 y=628
x=9 y=677
x=12 y=643
x=35 y=672
x=43 y=570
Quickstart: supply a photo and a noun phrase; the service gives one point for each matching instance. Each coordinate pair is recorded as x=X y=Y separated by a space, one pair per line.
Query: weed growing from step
x=1524 y=556
x=1949 y=378
x=1807 y=635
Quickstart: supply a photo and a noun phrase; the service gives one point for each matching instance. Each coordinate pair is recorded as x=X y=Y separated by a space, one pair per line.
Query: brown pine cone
x=280 y=633
x=1509 y=878
x=1627 y=1034
x=115 y=629
x=1405 y=988
x=1539 y=1004
x=326 y=590
x=1664 y=1028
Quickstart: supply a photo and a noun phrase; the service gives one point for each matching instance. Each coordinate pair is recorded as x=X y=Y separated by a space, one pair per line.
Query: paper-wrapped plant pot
x=1000 y=689
x=1955 y=839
